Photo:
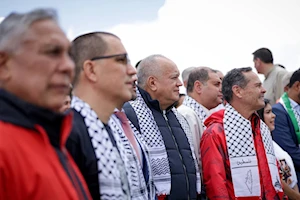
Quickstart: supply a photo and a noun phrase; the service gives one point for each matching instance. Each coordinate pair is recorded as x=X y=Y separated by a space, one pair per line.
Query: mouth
x=61 y=87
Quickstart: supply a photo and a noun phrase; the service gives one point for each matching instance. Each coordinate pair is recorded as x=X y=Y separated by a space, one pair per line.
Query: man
x=263 y=62
x=185 y=75
x=99 y=147
x=236 y=148
x=287 y=121
x=35 y=74
x=163 y=130
x=204 y=91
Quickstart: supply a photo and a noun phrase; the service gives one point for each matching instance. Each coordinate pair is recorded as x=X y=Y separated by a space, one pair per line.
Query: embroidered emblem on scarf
x=242 y=154
x=113 y=181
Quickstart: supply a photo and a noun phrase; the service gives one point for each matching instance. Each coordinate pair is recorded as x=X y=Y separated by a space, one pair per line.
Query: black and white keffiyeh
x=242 y=154
x=197 y=107
x=112 y=176
x=186 y=128
x=137 y=184
x=151 y=136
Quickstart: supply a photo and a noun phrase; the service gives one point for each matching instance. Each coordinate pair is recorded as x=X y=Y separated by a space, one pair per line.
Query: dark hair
x=264 y=55
x=234 y=77
x=87 y=46
x=261 y=111
x=295 y=77
x=198 y=74
x=137 y=64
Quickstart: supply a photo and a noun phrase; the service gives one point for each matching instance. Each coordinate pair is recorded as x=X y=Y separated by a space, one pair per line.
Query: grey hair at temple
x=234 y=77
x=15 y=25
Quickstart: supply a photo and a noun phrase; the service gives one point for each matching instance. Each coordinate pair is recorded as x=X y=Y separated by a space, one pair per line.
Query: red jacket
x=31 y=167
x=215 y=161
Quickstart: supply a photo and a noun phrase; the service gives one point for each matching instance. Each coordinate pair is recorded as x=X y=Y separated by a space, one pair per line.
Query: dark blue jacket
x=182 y=165
x=285 y=136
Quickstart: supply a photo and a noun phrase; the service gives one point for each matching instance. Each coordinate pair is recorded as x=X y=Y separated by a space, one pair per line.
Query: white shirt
x=196 y=127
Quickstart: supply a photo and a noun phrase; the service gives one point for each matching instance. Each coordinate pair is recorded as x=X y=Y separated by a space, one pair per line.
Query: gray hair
x=149 y=66
x=198 y=74
x=13 y=27
x=185 y=73
x=234 y=77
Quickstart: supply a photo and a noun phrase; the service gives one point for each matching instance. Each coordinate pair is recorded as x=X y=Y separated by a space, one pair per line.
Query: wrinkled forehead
x=252 y=77
x=45 y=31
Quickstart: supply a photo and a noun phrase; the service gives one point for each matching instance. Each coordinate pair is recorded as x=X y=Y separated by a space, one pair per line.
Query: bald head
x=151 y=66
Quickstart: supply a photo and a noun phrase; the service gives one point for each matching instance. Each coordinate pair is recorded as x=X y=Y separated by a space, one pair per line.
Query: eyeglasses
x=120 y=58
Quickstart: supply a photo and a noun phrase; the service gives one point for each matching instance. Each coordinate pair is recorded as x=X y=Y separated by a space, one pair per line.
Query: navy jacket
x=285 y=136
x=182 y=165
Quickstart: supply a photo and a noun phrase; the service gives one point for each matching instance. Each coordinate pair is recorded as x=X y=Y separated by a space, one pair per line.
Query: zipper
x=78 y=187
x=174 y=140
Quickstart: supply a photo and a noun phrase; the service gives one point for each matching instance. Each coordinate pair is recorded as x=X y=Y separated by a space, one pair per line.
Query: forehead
x=167 y=66
x=212 y=76
x=114 y=45
x=45 y=32
x=251 y=77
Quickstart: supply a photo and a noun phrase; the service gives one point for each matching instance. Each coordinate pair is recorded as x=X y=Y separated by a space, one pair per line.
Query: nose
x=67 y=66
x=131 y=71
x=263 y=90
x=273 y=115
x=179 y=83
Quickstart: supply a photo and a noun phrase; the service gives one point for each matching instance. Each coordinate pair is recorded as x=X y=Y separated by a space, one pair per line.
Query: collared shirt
x=295 y=106
x=117 y=121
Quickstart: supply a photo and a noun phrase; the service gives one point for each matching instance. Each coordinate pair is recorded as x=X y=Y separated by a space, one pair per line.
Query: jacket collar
x=18 y=112
x=152 y=103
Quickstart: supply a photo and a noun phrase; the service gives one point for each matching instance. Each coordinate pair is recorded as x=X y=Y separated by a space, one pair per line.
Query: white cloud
x=221 y=34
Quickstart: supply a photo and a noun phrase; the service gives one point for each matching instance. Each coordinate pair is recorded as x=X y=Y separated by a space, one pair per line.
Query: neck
x=197 y=98
x=293 y=95
x=99 y=102
x=155 y=97
x=242 y=109
x=267 y=68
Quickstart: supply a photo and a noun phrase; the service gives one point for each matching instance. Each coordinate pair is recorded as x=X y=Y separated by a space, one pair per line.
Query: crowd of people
x=79 y=122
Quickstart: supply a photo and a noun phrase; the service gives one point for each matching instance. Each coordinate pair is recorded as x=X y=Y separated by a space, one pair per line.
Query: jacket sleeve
x=284 y=135
x=213 y=163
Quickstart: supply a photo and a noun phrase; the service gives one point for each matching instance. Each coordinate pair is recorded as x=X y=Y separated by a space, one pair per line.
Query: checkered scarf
x=138 y=187
x=113 y=181
x=242 y=154
x=150 y=183
x=151 y=136
x=197 y=107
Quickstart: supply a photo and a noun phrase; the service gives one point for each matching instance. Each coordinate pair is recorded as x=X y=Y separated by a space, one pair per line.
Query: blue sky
x=86 y=15
x=221 y=34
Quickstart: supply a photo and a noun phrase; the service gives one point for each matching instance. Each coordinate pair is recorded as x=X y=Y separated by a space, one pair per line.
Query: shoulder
x=79 y=128
x=214 y=131
x=278 y=108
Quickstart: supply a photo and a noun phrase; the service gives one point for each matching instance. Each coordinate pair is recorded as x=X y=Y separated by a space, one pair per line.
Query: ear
x=237 y=91
x=198 y=86
x=151 y=83
x=297 y=85
x=4 y=69
x=89 y=70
